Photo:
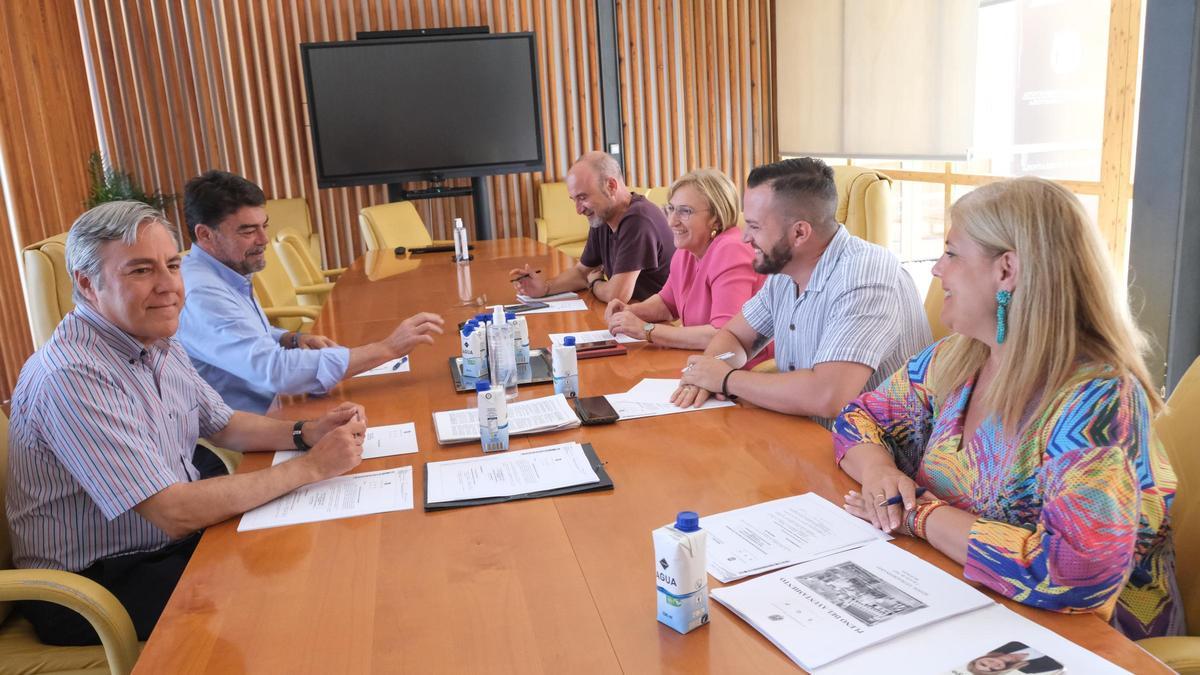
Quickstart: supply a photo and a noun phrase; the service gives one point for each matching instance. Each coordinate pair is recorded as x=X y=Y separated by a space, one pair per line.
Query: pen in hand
x=898 y=498
x=523 y=276
x=721 y=357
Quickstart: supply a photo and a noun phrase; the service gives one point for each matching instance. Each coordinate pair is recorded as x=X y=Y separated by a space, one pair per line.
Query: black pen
x=524 y=276
x=897 y=499
x=399 y=362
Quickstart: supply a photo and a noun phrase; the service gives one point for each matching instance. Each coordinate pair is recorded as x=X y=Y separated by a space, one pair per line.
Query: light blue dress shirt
x=236 y=350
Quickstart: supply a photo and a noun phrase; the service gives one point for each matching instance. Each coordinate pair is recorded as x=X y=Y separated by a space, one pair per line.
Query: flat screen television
x=423 y=108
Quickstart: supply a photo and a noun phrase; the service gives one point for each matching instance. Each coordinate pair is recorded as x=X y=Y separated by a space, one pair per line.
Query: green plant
x=110 y=185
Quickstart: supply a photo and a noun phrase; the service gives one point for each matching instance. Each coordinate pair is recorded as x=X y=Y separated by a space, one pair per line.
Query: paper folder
x=605 y=483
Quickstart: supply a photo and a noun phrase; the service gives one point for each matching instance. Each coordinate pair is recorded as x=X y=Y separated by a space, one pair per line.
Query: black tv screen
x=419 y=108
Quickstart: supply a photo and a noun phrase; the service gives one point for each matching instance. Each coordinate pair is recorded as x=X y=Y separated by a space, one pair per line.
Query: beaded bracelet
x=916 y=520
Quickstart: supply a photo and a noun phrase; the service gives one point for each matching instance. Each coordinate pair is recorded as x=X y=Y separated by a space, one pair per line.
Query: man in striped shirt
x=105 y=418
x=843 y=313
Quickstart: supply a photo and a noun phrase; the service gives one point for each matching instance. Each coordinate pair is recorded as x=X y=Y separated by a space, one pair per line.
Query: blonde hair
x=1065 y=306
x=717 y=189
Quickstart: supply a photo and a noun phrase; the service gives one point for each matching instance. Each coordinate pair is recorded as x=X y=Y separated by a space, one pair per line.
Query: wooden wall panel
x=186 y=86
x=46 y=135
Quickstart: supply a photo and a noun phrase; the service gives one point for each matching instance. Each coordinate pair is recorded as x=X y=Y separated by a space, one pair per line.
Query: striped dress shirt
x=860 y=306
x=100 y=423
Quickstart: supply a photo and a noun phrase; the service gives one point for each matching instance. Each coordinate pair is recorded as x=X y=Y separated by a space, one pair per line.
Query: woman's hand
x=613 y=307
x=626 y=323
x=880 y=483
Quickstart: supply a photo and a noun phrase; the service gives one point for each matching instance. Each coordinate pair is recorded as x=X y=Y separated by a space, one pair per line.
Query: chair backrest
x=273 y=288
x=561 y=223
x=292 y=215
x=1179 y=430
x=293 y=253
x=47 y=286
x=5 y=537
x=863 y=202
x=658 y=195
x=933 y=309
x=386 y=226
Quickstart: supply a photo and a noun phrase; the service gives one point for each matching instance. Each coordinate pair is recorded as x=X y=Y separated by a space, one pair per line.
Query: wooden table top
x=550 y=585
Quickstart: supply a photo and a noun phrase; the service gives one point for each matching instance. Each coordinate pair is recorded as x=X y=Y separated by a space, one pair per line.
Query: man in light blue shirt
x=224 y=330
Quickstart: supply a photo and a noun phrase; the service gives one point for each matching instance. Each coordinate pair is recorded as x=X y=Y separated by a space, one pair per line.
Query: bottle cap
x=569 y=341
x=510 y=316
x=483 y=317
x=687 y=521
x=484 y=385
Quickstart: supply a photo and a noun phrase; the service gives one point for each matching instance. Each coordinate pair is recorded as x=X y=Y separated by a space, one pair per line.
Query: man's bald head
x=595 y=184
x=601 y=165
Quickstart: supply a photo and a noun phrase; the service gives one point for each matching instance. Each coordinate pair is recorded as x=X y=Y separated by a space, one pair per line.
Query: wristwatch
x=648 y=328
x=298 y=436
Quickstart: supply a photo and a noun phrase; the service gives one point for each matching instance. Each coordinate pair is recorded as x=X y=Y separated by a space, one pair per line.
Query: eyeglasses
x=684 y=212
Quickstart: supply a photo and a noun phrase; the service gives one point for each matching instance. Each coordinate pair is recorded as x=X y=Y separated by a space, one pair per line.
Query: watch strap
x=298 y=436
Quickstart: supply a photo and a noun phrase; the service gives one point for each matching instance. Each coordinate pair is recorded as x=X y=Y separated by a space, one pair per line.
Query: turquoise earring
x=1002 y=300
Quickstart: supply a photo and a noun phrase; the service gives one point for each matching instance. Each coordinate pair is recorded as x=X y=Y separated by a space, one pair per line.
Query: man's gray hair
x=98 y=225
x=604 y=165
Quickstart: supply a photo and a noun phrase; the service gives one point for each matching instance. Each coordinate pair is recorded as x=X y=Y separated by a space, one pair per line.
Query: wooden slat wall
x=186 y=86
x=46 y=134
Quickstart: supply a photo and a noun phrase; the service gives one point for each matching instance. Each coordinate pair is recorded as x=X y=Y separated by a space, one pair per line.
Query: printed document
x=399 y=365
x=585 y=336
x=510 y=474
x=575 y=305
x=536 y=415
x=381 y=441
x=358 y=494
x=947 y=646
x=568 y=295
x=652 y=397
x=779 y=533
x=820 y=611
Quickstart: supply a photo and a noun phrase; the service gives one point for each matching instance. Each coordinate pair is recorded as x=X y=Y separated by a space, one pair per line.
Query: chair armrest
x=302 y=311
x=333 y=272
x=314 y=289
x=1180 y=653
x=88 y=598
x=442 y=242
x=539 y=227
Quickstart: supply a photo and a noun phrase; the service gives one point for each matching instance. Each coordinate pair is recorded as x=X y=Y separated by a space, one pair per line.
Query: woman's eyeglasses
x=684 y=212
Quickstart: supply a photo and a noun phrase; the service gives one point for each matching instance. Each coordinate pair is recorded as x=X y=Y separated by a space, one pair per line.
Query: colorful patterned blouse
x=1072 y=514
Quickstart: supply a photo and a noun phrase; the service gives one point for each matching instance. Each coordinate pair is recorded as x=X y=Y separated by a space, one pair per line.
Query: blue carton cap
x=569 y=341
x=483 y=385
x=510 y=316
x=687 y=521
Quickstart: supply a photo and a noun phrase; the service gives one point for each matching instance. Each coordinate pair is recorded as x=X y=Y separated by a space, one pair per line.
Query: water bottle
x=493 y=418
x=482 y=321
x=474 y=361
x=462 y=251
x=520 y=336
x=680 y=570
x=565 y=368
x=502 y=357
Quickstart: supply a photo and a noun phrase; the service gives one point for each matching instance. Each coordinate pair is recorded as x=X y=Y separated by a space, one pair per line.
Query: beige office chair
x=47 y=286
x=386 y=226
x=280 y=298
x=292 y=253
x=560 y=225
x=1178 y=428
x=292 y=216
x=20 y=650
x=657 y=195
x=933 y=309
x=863 y=202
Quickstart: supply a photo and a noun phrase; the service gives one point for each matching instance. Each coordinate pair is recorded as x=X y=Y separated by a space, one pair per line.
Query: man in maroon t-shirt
x=628 y=252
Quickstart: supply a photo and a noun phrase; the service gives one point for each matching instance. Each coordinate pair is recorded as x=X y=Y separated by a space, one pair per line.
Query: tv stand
x=478 y=191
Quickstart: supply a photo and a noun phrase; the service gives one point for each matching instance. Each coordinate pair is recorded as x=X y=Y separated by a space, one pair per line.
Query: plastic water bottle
x=520 y=336
x=462 y=251
x=482 y=321
x=502 y=356
x=565 y=368
x=493 y=418
x=680 y=568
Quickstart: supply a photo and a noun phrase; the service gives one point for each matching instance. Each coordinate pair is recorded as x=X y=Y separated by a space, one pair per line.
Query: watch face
x=648 y=327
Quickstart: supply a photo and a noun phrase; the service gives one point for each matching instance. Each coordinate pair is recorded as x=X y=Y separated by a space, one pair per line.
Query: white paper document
x=509 y=474
x=399 y=365
x=576 y=305
x=823 y=610
x=536 y=415
x=585 y=336
x=947 y=647
x=779 y=533
x=381 y=441
x=568 y=295
x=652 y=397
x=358 y=494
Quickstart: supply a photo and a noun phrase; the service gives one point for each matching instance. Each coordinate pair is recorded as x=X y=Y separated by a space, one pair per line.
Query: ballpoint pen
x=898 y=498
x=524 y=275
x=722 y=357
x=399 y=362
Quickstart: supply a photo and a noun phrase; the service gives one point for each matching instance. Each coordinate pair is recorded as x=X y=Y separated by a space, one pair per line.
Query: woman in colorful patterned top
x=1029 y=428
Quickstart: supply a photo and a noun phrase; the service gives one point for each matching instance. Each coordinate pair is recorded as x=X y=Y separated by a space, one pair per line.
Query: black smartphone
x=594 y=410
x=600 y=344
x=525 y=307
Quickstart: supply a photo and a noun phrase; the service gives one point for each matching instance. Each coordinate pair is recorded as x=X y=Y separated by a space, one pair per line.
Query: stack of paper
x=576 y=305
x=569 y=295
x=381 y=441
x=779 y=533
x=359 y=494
x=585 y=336
x=510 y=474
x=524 y=417
x=652 y=397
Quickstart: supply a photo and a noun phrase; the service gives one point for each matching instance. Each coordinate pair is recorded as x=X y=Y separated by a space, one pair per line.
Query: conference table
x=554 y=585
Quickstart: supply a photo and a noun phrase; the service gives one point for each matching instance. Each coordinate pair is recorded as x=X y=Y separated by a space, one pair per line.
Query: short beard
x=245 y=268
x=775 y=260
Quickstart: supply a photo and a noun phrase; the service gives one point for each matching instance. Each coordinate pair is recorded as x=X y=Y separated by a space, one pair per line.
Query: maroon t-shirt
x=641 y=243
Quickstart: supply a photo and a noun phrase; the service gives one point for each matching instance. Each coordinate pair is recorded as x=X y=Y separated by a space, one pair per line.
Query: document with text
x=509 y=474
x=358 y=494
x=586 y=336
x=652 y=397
x=820 y=611
x=400 y=365
x=535 y=415
x=567 y=295
x=381 y=441
x=779 y=533
x=576 y=305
